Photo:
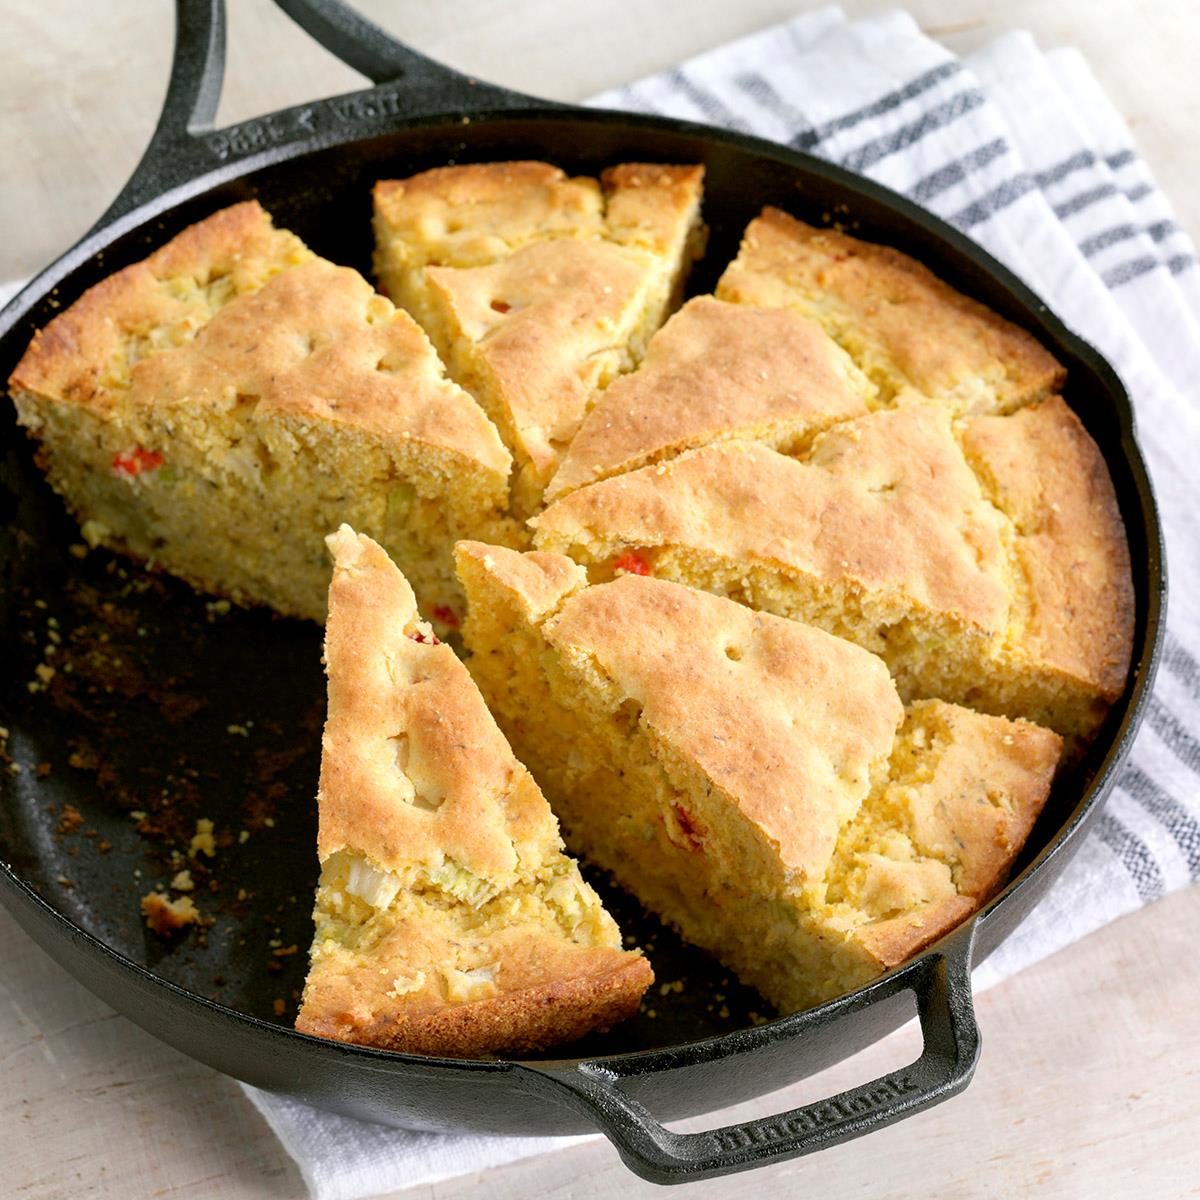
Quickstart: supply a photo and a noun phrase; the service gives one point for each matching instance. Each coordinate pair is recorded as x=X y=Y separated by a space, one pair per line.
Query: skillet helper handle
x=185 y=147
x=942 y=984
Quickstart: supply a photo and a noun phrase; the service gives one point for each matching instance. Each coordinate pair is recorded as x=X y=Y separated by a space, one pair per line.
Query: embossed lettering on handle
x=942 y=985
x=185 y=148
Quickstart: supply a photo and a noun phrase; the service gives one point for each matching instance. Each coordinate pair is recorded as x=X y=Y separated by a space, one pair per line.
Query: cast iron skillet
x=142 y=720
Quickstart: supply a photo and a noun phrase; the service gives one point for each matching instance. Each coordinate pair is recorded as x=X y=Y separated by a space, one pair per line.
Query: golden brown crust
x=472 y=214
x=819 y=841
x=550 y=1009
x=1042 y=469
x=904 y=326
x=317 y=342
x=756 y=702
x=715 y=372
x=413 y=768
x=884 y=503
x=547 y=325
x=448 y=919
x=649 y=204
x=536 y=583
x=538 y=289
x=81 y=353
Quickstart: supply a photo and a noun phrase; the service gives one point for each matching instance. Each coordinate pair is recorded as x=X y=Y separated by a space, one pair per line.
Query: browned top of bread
x=537 y=289
x=716 y=371
x=1041 y=468
x=544 y=324
x=448 y=919
x=786 y=722
x=902 y=325
x=470 y=215
x=413 y=768
x=86 y=353
x=317 y=341
x=473 y=214
x=534 y=583
x=884 y=503
x=648 y=204
x=233 y=312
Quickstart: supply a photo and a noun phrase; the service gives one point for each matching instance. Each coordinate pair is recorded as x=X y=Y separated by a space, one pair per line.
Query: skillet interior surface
x=178 y=711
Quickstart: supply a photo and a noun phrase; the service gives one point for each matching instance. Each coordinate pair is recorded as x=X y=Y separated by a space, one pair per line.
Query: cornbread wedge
x=535 y=288
x=448 y=920
x=902 y=325
x=994 y=573
x=754 y=781
x=221 y=406
x=717 y=371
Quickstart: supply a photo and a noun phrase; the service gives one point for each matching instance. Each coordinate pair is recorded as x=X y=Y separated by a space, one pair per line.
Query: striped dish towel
x=1023 y=152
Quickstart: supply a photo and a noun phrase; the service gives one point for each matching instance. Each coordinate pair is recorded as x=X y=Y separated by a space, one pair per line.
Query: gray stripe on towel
x=937 y=117
x=1131 y=852
x=1174 y=818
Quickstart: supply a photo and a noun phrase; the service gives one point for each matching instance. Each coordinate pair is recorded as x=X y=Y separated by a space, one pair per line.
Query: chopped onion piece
x=377 y=888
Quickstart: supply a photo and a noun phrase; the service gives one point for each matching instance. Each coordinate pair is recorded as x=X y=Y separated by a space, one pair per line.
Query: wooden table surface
x=1090 y=1078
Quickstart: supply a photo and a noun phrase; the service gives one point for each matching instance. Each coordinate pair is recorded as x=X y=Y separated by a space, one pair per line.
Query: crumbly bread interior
x=904 y=327
x=754 y=781
x=985 y=561
x=448 y=920
x=218 y=408
x=538 y=289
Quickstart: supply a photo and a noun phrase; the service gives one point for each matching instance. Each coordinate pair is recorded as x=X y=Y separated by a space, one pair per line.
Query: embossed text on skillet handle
x=942 y=984
x=186 y=153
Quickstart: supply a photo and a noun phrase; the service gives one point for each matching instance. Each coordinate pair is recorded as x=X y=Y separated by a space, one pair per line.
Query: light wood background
x=1090 y=1079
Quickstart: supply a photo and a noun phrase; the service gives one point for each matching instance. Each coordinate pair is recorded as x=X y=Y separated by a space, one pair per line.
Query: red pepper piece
x=447 y=615
x=632 y=563
x=430 y=639
x=133 y=462
x=692 y=832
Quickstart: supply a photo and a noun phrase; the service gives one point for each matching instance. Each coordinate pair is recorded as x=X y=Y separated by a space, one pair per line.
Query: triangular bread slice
x=538 y=289
x=754 y=781
x=903 y=326
x=988 y=568
x=221 y=405
x=449 y=921
x=713 y=372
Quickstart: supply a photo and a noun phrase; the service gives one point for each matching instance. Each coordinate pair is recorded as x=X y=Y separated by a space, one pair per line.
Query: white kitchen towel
x=1022 y=151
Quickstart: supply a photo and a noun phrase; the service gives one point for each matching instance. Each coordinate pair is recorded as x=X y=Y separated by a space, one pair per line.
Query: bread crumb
x=203 y=842
x=70 y=820
x=165 y=917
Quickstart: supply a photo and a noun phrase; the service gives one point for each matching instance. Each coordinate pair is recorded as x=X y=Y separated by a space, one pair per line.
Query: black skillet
x=173 y=710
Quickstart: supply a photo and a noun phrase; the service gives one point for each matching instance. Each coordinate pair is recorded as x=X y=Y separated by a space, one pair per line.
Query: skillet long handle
x=942 y=983
x=360 y=43
x=185 y=150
